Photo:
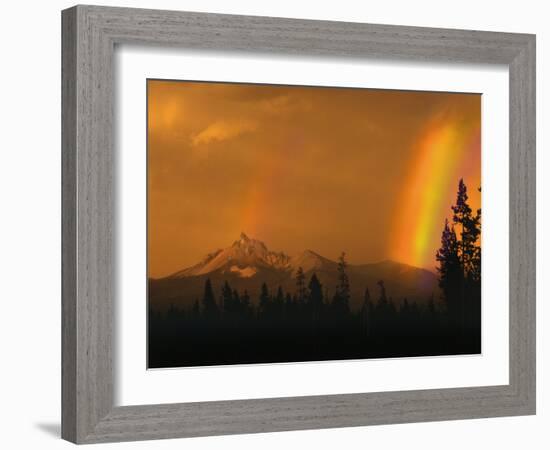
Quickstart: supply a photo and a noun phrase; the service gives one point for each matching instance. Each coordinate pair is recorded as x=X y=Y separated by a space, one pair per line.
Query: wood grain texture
x=68 y=225
x=89 y=37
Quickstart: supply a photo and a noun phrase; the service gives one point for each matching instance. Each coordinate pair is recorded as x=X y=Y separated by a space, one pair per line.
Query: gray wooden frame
x=89 y=36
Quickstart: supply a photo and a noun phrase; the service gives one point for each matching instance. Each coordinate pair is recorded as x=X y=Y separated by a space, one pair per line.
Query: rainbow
x=448 y=149
x=263 y=186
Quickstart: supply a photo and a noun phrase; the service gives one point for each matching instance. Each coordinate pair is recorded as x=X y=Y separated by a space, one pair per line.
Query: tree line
x=308 y=300
x=309 y=315
x=459 y=263
x=459 y=277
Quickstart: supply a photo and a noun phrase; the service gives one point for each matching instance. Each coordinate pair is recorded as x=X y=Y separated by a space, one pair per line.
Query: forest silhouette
x=226 y=326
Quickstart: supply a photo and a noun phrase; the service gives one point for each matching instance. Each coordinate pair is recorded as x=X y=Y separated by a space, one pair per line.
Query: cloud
x=283 y=104
x=223 y=130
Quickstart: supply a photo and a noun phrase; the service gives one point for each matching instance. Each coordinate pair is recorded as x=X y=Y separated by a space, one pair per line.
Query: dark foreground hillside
x=178 y=341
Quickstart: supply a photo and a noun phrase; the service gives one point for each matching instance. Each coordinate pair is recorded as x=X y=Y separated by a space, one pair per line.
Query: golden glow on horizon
x=369 y=172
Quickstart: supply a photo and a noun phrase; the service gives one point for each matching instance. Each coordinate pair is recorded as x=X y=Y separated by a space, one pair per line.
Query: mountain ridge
x=248 y=251
x=243 y=252
x=248 y=263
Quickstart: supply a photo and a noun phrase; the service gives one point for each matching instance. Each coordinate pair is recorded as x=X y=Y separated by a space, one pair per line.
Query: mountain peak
x=245 y=257
x=311 y=253
x=309 y=260
x=249 y=245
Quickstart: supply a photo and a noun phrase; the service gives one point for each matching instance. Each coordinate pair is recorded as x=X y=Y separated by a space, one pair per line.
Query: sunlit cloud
x=223 y=130
x=283 y=104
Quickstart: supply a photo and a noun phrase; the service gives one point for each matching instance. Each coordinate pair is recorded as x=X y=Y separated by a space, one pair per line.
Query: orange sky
x=369 y=172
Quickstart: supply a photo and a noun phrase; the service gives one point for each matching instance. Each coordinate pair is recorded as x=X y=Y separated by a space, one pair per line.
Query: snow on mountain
x=246 y=272
x=244 y=253
x=248 y=263
x=197 y=269
x=246 y=257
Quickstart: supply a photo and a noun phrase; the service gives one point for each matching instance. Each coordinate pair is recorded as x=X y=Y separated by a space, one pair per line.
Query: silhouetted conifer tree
x=366 y=312
x=341 y=298
x=451 y=275
x=405 y=309
x=469 y=226
x=459 y=263
x=195 y=311
x=476 y=259
x=392 y=311
x=300 y=285
x=209 y=306
x=414 y=312
x=245 y=304
x=280 y=297
x=227 y=299
x=236 y=302
x=289 y=310
x=264 y=299
x=315 y=298
x=278 y=303
x=383 y=297
x=383 y=311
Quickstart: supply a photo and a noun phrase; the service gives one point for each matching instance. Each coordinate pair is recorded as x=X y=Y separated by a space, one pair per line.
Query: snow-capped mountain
x=248 y=263
x=245 y=257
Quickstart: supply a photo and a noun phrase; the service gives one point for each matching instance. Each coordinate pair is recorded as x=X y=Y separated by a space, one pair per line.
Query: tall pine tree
x=209 y=306
x=300 y=285
x=367 y=312
x=459 y=263
x=341 y=298
x=264 y=300
x=315 y=298
x=469 y=227
x=451 y=276
x=227 y=299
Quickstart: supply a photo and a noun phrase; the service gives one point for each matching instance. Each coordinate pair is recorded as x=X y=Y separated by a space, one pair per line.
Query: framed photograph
x=277 y=224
